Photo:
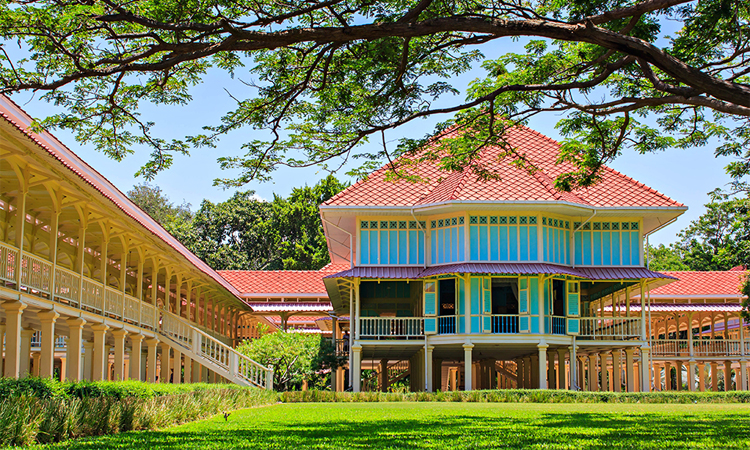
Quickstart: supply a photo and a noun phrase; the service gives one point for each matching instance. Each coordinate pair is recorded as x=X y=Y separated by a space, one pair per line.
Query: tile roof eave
x=46 y=144
x=417 y=207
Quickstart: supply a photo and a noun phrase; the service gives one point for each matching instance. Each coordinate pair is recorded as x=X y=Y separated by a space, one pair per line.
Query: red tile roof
x=707 y=284
x=283 y=283
x=515 y=184
x=18 y=118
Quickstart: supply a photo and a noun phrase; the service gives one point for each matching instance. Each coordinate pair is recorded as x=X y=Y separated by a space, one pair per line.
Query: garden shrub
x=519 y=396
x=34 y=410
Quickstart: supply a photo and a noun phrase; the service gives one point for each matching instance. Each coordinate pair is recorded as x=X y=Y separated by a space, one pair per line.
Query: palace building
x=451 y=284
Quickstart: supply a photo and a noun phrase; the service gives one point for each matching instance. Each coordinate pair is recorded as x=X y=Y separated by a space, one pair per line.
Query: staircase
x=212 y=353
x=509 y=370
x=396 y=371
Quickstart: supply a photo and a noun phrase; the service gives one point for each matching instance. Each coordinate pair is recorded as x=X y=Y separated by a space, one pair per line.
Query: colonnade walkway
x=94 y=281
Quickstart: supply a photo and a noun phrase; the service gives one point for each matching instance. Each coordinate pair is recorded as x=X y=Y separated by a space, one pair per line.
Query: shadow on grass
x=544 y=430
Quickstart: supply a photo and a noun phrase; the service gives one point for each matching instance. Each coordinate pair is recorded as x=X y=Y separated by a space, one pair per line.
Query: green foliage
x=246 y=233
x=453 y=425
x=155 y=202
x=43 y=411
x=330 y=77
x=295 y=357
x=718 y=240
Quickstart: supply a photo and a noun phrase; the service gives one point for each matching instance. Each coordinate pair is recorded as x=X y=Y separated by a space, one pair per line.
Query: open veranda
x=451 y=425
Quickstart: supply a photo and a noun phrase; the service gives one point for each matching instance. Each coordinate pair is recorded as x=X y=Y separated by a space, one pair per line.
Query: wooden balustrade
x=701 y=347
x=391 y=326
x=609 y=328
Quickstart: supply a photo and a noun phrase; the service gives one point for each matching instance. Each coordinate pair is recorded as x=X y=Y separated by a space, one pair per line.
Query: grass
x=451 y=425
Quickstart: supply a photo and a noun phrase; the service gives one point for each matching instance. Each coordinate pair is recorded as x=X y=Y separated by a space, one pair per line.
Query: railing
x=391 y=327
x=717 y=347
x=610 y=328
x=395 y=372
x=558 y=325
x=72 y=289
x=130 y=309
x=91 y=296
x=8 y=261
x=35 y=273
x=113 y=302
x=67 y=285
x=701 y=347
x=446 y=324
x=505 y=324
x=670 y=347
x=341 y=347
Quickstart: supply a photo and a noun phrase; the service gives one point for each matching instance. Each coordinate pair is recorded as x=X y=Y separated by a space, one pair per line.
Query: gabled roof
x=698 y=285
x=280 y=283
x=515 y=184
x=18 y=118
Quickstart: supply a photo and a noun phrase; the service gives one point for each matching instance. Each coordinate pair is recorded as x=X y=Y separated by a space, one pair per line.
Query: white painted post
x=542 y=347
x=645 y=372
x=468 y=347
x=269 y=378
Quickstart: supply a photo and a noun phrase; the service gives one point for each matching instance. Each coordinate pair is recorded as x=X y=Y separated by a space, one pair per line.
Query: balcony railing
x=403 y=327
x=701 y=347
x=558 y=325
x=610 y=328
x=504 y=324
x=447 y=325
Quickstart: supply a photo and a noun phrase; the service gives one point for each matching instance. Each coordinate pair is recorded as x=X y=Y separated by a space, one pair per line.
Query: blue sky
x=685 y=175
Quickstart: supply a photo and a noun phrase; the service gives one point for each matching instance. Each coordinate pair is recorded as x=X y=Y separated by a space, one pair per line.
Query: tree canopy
x=330 y=75
x=718 y=240
x=246 y=233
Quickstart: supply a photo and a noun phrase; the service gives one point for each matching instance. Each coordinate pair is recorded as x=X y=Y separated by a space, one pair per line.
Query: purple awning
x=588 y=273
x=380 y=272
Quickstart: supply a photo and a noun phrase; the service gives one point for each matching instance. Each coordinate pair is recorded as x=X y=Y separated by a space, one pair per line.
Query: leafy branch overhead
x=332 y=75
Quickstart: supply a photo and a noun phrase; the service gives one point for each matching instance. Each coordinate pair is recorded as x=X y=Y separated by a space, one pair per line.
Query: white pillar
x=73 y=350
x=467 y=366
x=88 y=361
x=188 y=369
x=47 y=360
x=616 y=371
x=136 y=343
x=645 y=375
x=356 y=369
x=702 y=376
x=119 y=338
x=13 y=312
x=428 y=377
x=561 y=379
x=26 y=335
x=629 y=368
x=742 y=381
x=101 y=356
x=151 y=359
x=691 y=375
x=542 y=347
x=177 y=367
x=164 y=372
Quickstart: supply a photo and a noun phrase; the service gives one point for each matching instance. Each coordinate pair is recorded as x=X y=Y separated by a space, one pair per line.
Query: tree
x=334 y=74
x=295 y=357
x=245 y=233
x=234 y=234
x=153 y=201
x=720 y=238
x=665 y=257
x=300 y=243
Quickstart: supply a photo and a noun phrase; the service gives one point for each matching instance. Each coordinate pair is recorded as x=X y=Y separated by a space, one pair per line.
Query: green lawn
x=452 y=425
